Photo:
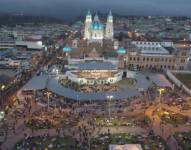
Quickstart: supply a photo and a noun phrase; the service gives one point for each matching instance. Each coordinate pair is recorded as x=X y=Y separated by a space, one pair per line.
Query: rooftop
x=96 y=66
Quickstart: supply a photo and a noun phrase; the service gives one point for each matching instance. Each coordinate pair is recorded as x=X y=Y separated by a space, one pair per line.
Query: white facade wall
x=83 y=81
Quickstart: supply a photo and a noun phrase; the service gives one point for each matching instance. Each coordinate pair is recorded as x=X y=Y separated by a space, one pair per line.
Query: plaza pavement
x=159 y=129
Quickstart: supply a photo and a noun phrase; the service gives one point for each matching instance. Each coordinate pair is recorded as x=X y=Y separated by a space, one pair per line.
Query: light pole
x=78 y=100
x=109 y=97
x=2 y=88
x=48 y=96
x=161 y=90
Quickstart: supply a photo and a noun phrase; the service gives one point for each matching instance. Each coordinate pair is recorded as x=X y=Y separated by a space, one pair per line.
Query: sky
x=70 y=9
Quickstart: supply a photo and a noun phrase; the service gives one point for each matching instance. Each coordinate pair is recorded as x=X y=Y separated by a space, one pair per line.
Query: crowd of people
x=78 y=119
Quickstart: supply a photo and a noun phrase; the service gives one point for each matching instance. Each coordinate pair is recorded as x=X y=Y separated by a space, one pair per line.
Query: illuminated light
x=2 y=87
x=110 y=96
x=45 y=48
x=161 y=90
x=121 y=50
x=67 y=48
x=2 y=115
x=39 y=42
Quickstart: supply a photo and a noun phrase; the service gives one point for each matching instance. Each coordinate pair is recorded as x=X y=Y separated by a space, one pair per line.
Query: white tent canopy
x=36 y=83
x=126 y=147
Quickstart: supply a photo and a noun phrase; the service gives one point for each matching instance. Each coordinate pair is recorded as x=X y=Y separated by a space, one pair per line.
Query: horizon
x=64 y=9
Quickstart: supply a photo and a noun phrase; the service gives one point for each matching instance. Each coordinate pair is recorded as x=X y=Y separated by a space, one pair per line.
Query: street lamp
x=109 y=97
x=78 y=99
x=48 y=96
x=1 y=90
x=2 y=115
x=2 y=87
x=161 y=90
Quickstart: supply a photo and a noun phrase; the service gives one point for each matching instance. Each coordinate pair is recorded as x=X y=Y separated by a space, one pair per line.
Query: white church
x=95 y=31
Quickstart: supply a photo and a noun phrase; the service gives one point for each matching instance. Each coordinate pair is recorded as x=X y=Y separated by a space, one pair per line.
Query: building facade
x=156 y=55
x=95 y=31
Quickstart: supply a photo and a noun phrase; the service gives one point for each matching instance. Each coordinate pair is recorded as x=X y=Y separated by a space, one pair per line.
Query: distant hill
x=13 y=19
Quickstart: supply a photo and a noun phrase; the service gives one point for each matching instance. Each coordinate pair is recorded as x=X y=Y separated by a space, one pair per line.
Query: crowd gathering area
x=98 y=88
x=38 y=121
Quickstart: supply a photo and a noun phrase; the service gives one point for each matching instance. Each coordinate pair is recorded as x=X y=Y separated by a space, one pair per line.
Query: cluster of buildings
x=23 y=46
x=21 y=49
x=157 y=28
x=99 y=41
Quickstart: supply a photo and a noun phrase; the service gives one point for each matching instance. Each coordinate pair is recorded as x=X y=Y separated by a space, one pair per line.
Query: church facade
x=95 y=31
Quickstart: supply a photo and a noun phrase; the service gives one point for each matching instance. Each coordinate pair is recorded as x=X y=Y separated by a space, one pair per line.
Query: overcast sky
x=67 y=9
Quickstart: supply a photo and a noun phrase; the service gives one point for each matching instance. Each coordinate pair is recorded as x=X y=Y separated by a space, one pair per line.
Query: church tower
x=97 y=29
x=109 y=27
x=88 y=23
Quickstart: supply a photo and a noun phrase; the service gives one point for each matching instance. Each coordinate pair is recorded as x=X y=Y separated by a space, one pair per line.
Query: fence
x=178 y=82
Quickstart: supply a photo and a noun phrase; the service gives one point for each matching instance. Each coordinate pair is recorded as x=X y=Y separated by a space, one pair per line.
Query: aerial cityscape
x=95 y=79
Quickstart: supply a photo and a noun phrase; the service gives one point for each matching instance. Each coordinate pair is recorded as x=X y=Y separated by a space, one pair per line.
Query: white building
x=95 y=31
x=91 y=73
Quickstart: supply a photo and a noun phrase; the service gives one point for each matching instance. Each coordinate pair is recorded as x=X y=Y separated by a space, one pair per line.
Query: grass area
x=140 y=120
x=40 y=123
x=149 y=142
x=184 y=140
x=171 y=117
x=185 y=79
x=47 y=143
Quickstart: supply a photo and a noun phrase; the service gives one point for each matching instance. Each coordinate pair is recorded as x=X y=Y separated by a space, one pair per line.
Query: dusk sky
x=69 y=9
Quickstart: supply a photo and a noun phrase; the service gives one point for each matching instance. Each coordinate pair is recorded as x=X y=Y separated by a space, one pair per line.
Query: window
x=138 y=58
x=143 y=58
x=156 y=59
x=183 y=53
x=182 y=61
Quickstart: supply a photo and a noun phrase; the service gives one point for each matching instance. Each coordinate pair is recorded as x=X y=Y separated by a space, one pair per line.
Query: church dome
x=96 y=26
x=67 y=48
x=121 y=50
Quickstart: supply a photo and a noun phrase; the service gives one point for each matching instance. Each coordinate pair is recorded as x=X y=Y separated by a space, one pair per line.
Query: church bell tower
x=109 y=27
x=88 y=23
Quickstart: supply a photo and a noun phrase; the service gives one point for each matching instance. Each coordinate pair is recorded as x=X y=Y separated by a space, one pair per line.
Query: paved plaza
x=84 y=114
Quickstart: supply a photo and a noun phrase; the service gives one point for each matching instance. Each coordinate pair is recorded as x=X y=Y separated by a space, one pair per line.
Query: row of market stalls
x=48 y=82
